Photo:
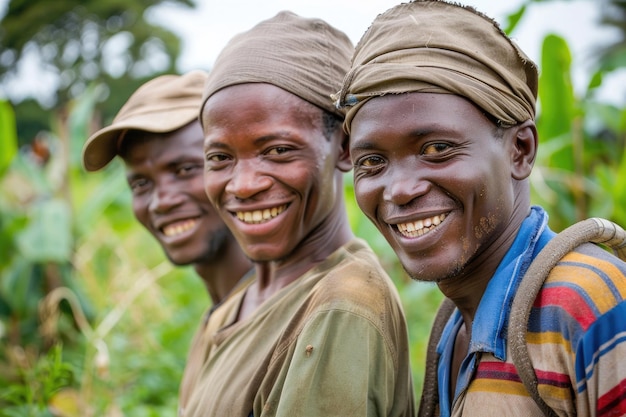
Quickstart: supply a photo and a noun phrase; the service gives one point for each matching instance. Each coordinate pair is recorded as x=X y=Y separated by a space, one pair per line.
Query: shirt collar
x=489 y=327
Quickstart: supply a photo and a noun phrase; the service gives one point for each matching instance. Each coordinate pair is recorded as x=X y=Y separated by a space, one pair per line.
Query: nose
x=404 y=184
x=165 y=197
x=247 y=180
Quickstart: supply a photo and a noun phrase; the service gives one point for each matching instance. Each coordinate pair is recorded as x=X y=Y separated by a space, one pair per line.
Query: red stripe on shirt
x=569 y=300
x=497 y=370
x=613 y=403
x=507 y=372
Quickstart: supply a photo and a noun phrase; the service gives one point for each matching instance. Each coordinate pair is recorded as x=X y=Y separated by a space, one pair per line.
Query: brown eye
x=435 y=148
x=371 y=161
x=187 y=169
x=138 y=185
x=216 y=157
x=278 y=150
x=216 y=161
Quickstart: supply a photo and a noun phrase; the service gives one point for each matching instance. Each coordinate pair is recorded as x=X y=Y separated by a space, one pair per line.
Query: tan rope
x=429 y=403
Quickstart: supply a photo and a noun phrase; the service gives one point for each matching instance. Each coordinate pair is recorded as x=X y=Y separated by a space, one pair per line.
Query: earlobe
x=344 y=163
x=524 y=149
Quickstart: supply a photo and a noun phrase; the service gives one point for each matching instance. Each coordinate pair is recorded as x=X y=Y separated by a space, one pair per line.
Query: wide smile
x=260 y=216
x=420 y=227
x=179 y=227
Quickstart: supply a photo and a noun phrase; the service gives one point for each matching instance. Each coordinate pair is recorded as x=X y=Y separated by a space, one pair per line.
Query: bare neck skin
x=221 y=277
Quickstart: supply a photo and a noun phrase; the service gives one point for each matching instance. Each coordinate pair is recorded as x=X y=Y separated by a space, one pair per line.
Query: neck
x=222 y=275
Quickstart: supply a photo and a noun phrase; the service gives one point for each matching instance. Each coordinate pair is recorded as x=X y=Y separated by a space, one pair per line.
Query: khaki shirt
x=197 y=352
x=332 y=343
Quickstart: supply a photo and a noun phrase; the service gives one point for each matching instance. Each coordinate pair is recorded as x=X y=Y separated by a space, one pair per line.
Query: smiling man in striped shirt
x=441 y=114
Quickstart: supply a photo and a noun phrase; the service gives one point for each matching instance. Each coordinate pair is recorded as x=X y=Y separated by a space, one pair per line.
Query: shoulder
x=356 y=279
x=590 y=275
x=353 y=288
x=583 y=286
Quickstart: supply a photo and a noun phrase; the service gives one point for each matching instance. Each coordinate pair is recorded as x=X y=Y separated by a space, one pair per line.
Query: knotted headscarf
x=304 y=56
x=437 y=47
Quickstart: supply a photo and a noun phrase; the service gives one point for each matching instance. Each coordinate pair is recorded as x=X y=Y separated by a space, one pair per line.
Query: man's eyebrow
x=366 y=145
x=217 y=145
x=267 y=138
x=257 y=141
x=363 y=146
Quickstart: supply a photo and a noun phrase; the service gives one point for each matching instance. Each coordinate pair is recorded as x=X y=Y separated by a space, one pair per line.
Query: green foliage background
x=95 y=322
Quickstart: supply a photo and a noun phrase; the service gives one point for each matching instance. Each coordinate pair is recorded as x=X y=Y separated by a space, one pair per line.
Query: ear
x=344 y=163
x=523 y=150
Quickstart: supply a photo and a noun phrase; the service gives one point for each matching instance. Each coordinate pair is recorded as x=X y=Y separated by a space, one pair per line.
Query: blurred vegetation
x=77 y=43
x=95 y=322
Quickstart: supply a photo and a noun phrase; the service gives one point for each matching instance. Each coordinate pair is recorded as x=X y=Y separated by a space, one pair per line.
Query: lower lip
x=265 y=227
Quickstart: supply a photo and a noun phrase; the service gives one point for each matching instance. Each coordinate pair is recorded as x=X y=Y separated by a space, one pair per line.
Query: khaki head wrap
x=437 y=47
x=306 y=57
x=161 y=105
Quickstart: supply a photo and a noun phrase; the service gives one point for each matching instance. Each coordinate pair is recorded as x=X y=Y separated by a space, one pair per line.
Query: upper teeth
x=179 y=227
x=420 y=227
x=260 y=216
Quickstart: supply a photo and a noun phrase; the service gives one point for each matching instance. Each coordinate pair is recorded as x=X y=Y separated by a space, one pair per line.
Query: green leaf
x=48 y=238
x=104 y=190
x=8 y=136
x=513 y=19
x=80 y=117
x=595 y=81
x=556 y=93
x=614 y=60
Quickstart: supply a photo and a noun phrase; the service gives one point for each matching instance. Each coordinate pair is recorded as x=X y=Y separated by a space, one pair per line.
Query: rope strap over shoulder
x=594 y=230
x=429 y=403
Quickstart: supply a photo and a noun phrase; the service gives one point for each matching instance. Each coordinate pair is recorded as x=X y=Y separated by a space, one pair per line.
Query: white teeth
x=260 y=216
x=179 y=227
x=420 y=227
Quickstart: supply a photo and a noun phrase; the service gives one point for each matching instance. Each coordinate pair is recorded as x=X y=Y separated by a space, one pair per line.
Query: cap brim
x=103 y=146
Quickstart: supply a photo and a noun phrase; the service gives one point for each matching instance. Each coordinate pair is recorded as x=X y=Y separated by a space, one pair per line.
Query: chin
x=429 y=272
x=180 y=259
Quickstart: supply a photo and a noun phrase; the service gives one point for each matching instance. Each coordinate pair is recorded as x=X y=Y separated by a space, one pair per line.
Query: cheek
x=197 y=188
x=140 y=209
x=367 y=193
x=212 y=186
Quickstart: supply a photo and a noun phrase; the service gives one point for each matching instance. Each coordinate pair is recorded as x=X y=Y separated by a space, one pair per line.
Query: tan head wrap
x=161 y=105
x=306 y=57
x=434 y=46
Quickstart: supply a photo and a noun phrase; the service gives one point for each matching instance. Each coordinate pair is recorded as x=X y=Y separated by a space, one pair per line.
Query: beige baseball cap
x=161 y=105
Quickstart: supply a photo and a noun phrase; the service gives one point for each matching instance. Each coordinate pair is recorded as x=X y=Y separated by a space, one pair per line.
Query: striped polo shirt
x=576 y=336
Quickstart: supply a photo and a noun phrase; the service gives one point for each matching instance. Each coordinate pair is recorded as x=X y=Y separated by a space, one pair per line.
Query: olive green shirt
x=332 y=343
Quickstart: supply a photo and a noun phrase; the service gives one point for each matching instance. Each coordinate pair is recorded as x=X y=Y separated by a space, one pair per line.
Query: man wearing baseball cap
x=159 y=138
